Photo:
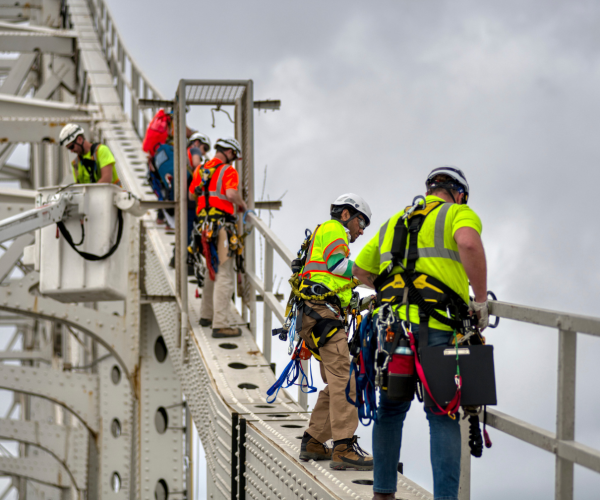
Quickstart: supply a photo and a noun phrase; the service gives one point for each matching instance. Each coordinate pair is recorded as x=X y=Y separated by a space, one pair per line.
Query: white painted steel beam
x=42 y=470
x=68 y=445
x=26 y=356
x=13 y=172
x=37 y=40
x=77 y=392
x=9 y=259
x=18 y=74
x=109 y=330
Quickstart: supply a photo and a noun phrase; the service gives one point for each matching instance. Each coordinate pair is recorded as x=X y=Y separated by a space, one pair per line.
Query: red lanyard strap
x=454 y=405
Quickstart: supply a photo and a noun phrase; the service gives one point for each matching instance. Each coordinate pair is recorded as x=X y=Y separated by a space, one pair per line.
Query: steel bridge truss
x=104 y=394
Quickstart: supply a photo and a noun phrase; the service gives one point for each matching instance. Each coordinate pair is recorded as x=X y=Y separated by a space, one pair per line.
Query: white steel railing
x=562 y=443
x=130 y=81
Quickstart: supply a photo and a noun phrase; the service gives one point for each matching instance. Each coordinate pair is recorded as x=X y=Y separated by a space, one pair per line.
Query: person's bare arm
x=192 y=196
x=365 y=277
x=106 y=174
x=472 y=256
x=233 y=195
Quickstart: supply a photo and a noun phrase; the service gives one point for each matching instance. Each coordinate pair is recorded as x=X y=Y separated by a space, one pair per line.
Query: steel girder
x=18 y=73
x=15 y=38
x=109 y=330
x=33 y=120
x=68 y=445
x=42 y=470
x=76 y=392
x=11 y=256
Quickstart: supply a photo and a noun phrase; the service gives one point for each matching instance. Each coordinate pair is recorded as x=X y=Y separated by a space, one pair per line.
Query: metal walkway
x=104 y=394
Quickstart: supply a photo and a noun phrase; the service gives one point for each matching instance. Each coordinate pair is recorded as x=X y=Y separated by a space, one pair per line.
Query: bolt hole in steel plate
x=160 y=349
x=169 y=232
x=264 y=406
x=139 y=169
x=227 y=345
x=115 y=428
x=193 y=281
x=237 y=366
x=293 y=426
x=161 y=420
x=136 y=162
x=161 y=491
x=115 y=482
x=363 y=481
x=115 y=374
x=247 y=385
x=278 y=416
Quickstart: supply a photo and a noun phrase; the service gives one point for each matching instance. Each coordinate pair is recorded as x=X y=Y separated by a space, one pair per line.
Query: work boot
x=224 y=333
x=384 y=496
x=205 y=322
x=348 y=455
x=311 y=449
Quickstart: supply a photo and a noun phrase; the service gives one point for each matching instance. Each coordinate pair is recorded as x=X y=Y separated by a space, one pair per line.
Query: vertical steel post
x=268 y=316
x=189 y=453
x=464 y=488
x=235 y=420
x=565 y=412
x=238 y=118
x=249 y=176
x=242 y=461
x=180 y=174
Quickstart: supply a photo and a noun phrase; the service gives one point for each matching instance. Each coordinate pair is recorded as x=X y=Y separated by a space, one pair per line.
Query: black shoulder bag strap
x=90 y=256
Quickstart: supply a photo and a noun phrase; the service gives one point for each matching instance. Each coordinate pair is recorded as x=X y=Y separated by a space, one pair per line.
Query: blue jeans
x=444 y=441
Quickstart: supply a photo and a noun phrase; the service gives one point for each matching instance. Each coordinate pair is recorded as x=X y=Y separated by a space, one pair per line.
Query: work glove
x=482 y=311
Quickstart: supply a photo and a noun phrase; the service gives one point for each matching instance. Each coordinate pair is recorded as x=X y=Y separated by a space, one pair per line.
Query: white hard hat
x=459 y=182
x=230 y=143
x=69 y=133
x=197 y=136
x=356 y=202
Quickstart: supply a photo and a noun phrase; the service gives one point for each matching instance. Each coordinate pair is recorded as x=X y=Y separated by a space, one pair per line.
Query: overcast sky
x=374 y=95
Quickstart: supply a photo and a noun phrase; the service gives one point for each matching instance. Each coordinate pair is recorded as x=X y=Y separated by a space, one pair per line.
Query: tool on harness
x=291 y=372
x=476 y=441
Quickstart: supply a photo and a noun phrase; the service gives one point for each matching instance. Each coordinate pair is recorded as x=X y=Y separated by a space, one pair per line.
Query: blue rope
x=290 y=374
x=366 y=398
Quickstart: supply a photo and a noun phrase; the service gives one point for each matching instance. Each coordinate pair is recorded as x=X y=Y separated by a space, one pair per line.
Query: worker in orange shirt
x=215 y=189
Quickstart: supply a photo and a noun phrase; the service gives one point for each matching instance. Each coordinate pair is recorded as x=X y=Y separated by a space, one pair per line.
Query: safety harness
x=90 y=165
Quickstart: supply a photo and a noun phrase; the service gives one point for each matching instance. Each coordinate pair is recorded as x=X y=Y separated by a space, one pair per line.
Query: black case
x=476 y=364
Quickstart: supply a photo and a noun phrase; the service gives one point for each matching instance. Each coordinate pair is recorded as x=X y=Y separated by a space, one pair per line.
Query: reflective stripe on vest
x=217 y=198
x=438 y=250
x=316 y=269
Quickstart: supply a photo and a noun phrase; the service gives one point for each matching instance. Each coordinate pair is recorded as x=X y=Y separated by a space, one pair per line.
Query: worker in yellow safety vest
x=436 y=250
x=320 y=324
x=95 y=163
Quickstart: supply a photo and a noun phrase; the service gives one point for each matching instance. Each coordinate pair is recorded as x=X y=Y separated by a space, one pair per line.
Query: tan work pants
x=333 y=417
x=216 y=295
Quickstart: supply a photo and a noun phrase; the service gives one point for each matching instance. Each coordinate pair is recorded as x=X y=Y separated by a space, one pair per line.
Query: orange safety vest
x=216 y=192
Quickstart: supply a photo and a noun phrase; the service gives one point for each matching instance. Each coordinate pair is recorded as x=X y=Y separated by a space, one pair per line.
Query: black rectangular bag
x=476 y=364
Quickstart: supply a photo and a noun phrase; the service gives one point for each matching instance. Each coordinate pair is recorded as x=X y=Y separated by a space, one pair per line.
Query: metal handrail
x=117 y=56
x=562 y=443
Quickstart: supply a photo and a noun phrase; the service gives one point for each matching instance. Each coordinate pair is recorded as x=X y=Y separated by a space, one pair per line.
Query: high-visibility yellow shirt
x=438 y=251
x=329 y=237
x=103 y=157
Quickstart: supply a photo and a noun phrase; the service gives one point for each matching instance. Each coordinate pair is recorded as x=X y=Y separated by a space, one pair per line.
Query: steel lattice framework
x=104 y=394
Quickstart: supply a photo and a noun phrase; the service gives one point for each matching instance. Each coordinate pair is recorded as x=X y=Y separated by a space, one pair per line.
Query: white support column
x=464 y=488
x=565 y=412
x=268 y=316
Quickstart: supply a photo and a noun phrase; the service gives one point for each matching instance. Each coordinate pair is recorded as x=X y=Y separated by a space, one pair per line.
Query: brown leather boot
x=223 y=333
x=311 y=449
x=348 y=455
x=384 y=496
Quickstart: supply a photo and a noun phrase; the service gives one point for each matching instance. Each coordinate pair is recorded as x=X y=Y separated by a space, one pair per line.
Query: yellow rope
x=294 y=280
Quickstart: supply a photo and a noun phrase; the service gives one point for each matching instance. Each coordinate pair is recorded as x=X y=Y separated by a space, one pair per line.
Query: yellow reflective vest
x=438 y=251
x=328 y=237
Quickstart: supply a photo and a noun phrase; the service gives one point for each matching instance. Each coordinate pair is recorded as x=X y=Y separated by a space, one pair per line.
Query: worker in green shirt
x=95 y=163
x=442 y=256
